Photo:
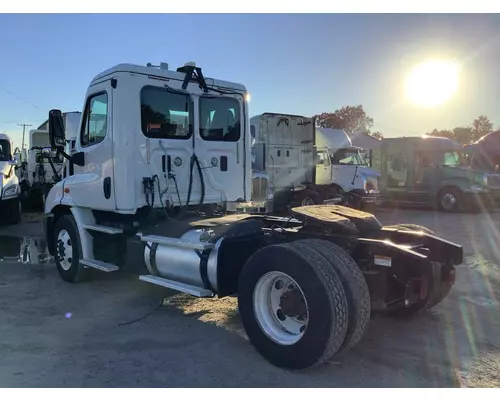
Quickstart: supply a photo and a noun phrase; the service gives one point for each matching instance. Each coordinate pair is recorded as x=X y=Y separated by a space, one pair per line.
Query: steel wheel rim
x=280 y=328
x=64 y=248
x=448 y=201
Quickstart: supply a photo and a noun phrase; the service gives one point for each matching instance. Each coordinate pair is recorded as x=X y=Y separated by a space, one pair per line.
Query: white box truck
x=40 y=167
x=296 y=163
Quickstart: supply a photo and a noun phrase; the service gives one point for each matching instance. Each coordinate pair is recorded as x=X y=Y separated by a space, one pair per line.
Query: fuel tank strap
x=152 y=258
x=204 y=268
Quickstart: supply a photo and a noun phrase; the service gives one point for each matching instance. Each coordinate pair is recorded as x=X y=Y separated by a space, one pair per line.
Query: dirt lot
x=54 y=334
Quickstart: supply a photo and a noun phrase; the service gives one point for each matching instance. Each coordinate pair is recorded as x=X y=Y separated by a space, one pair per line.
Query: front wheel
x=293 y=306
x=449 y=199
x=68 y=249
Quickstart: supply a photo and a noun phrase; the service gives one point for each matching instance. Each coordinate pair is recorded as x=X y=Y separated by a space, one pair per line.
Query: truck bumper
x=249 y=208
x=365 y=200
x=482 y=200
x=7 y=207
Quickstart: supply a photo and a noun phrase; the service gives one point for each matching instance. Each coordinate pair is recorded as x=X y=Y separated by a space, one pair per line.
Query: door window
x=94 y=127
x=165 y=114
x=323 y=158
x=220 y=119
x=397 y=168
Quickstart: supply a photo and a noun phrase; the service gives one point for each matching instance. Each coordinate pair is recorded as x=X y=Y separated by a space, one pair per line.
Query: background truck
x=432 y=171
x=39 y=167
x=172 y=143
x=296 y=163
x=10 y=204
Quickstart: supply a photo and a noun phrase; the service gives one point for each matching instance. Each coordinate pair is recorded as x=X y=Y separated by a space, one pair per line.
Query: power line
x=21 y=99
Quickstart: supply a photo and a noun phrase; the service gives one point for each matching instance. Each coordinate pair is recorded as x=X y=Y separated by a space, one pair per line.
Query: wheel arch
x=49 y=222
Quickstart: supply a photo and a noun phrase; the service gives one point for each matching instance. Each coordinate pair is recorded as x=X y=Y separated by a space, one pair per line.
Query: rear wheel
x=309 y=198
x=355 y=288
x=68 y=249
x=292 y=305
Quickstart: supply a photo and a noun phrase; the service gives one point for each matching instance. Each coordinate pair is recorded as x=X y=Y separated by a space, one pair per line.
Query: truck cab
x=432 y=171
x=340 y=164
x=10 y=205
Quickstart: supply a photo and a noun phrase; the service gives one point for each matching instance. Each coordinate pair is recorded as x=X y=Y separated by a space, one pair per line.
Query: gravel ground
x=53 y=334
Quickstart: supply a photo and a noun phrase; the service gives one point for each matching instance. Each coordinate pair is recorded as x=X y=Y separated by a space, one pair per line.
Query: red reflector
x=451 y=276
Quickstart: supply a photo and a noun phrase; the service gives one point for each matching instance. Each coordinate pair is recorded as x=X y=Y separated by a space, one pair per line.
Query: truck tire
x=309 y=198
x=438 y=292
x=68 y=249
x=450 y=199
x=354 y=284
x=15 y=212
x=292 y=305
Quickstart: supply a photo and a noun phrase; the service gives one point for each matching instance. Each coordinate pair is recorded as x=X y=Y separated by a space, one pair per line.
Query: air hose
x=194 y=160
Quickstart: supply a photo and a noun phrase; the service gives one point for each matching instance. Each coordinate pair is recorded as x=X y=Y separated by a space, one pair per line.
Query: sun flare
x=432 y=83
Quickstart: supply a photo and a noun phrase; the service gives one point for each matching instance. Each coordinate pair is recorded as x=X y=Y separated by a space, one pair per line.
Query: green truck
x=432 y=171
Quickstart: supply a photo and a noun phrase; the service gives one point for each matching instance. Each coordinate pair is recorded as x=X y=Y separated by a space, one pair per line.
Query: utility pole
x=24 y=129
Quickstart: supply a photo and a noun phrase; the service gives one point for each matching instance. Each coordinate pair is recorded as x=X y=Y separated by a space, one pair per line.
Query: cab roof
x=162 y=73
x=4 y=136
x=419 y=143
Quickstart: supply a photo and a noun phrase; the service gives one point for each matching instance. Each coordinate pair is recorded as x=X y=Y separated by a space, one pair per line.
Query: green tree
x=481 y=126
x=349 y=118
x=377 y=135
x=463 y=134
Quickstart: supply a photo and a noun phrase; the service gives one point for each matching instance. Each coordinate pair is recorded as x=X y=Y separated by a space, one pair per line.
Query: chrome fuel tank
x=190 y=259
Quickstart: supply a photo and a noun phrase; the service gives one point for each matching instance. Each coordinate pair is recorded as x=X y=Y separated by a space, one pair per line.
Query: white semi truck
x=10 y=204
x=40 y=167
x=155 y=147
x=297 y=163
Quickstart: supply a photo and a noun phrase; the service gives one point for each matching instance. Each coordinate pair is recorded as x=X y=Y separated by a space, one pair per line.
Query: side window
x=323 y=158
x=397 y=163
x=397 y=168
x=220 y=119
x=94 y=127
x=252 y=131
x=165 y=114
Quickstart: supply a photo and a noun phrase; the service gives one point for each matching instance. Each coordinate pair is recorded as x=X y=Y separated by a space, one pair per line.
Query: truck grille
x=494 y=180
x=259 y=189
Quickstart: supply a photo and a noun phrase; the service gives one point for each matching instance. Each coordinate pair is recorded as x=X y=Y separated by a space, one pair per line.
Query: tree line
x=466 y=134
x=355 y=119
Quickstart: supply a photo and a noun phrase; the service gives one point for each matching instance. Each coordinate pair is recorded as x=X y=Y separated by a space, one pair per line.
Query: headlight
x=369 y=185
x=485 y=179
x=475 y=188
x=10 y=191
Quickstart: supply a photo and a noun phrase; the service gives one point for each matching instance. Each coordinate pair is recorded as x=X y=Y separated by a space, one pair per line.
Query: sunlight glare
x=432 y=83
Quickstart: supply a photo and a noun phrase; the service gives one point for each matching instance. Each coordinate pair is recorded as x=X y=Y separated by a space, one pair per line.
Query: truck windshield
x=220 y=119
x=347 y=157
x=4 y=150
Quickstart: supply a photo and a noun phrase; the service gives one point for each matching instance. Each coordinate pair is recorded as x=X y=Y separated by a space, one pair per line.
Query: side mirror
x=57 y=136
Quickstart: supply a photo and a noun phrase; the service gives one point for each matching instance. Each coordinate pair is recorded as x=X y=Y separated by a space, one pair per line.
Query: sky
x=297 y=63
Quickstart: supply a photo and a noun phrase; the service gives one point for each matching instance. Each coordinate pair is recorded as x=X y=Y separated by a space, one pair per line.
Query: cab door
x=219 y=144
x=323 y=168
x=91 y=184
x=397 y=177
